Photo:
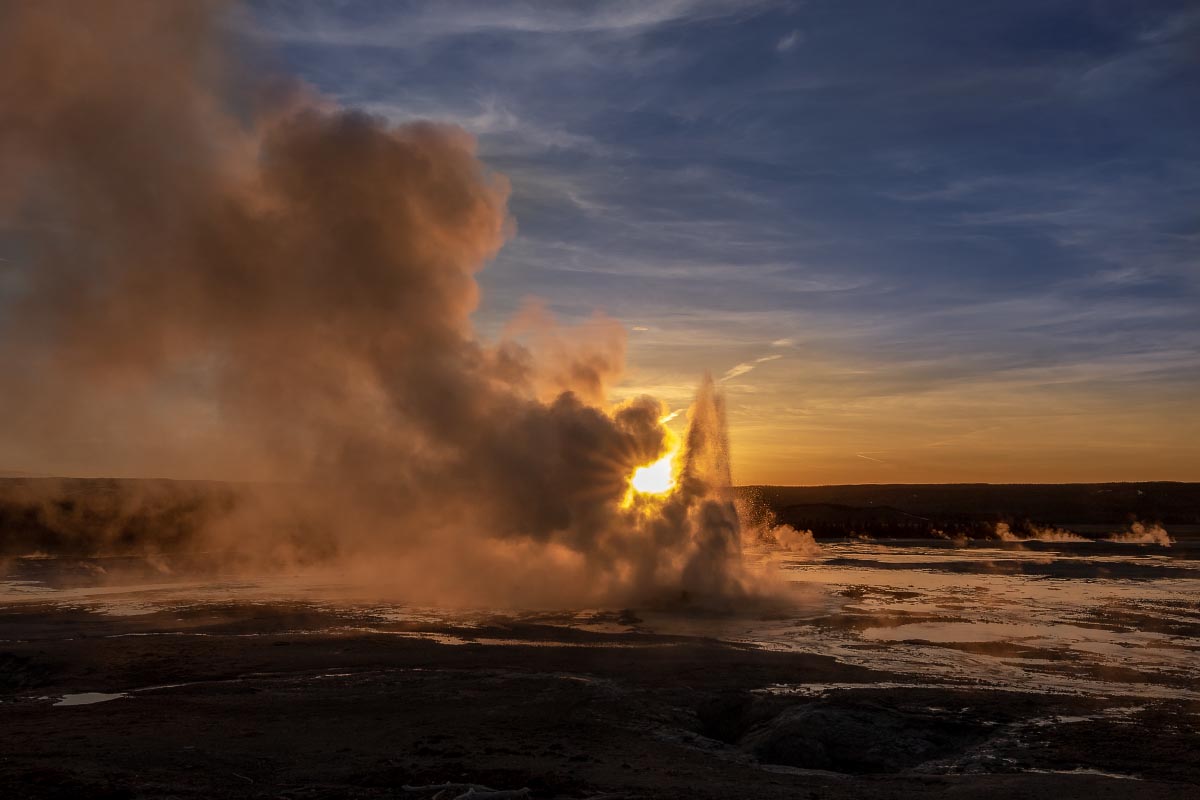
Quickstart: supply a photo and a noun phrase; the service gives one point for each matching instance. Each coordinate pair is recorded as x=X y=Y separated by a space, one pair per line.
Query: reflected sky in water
x=1079 y=618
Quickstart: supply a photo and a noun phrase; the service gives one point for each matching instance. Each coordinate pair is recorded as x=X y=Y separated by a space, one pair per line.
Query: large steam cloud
x=216 y=273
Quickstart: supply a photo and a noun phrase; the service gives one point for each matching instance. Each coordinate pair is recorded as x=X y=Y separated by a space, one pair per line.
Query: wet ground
x=901 y=670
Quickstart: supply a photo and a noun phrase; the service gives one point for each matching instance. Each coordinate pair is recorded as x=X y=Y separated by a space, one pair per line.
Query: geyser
x=215 y=272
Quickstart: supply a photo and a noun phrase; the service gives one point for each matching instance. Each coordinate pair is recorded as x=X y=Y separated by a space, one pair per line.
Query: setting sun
x=656 y=478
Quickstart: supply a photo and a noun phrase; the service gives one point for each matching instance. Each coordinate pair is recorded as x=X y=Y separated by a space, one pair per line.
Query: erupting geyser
x=222 y=274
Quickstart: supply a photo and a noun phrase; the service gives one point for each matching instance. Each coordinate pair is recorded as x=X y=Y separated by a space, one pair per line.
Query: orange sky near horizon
x=800 y=419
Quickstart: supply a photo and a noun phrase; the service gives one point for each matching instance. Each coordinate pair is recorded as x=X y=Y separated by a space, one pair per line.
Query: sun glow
x=659 y=478
x=656 y=478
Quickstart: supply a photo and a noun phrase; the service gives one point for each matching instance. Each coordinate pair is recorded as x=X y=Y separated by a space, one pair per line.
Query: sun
x=656 y=478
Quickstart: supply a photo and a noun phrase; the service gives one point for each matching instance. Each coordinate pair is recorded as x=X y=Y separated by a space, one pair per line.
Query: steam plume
x=219 y=273
x=1037 y=533
x=1141 y=533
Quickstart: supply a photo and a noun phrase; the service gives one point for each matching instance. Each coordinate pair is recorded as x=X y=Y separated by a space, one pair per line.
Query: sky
x=926 y=241
x=914 y=242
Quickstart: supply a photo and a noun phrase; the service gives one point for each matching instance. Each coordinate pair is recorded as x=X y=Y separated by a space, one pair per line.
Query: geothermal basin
x=897 y=668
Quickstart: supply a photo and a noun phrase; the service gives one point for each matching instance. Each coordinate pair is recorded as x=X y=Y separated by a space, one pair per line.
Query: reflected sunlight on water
x=1078 y=618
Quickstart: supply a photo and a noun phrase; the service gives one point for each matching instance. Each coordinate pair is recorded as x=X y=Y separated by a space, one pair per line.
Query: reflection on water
x=1079 y=618
x=1068 y=617
x=88 y=698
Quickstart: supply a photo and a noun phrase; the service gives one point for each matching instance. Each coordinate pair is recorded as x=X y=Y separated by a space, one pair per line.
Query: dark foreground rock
x=860 y=739
x=295 y=702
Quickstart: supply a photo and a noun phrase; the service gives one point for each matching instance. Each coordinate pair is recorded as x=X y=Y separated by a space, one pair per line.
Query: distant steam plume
x=1141 y=533
x=1138 y=533
x=1037 y=533
x=217 y=273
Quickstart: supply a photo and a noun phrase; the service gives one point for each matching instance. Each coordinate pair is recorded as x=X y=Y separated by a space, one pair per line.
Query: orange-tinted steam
x=214 y=272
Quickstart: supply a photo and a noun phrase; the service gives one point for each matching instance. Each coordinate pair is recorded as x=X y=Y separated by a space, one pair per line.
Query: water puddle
x=88 y=698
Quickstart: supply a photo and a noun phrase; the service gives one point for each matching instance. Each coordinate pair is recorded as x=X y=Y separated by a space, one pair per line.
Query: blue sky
x=919 y=241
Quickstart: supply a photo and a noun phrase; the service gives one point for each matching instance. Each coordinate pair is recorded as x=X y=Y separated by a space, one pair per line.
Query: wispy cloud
x=746 y=366
x=388 y=24
x=737 y=371
x=789 y=41
x=503 y=130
